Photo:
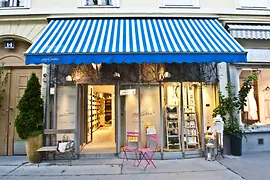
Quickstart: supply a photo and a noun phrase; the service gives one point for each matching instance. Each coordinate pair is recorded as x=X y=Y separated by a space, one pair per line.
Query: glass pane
x=129 y=115
x=192 y=115
x=66 y=98
x=150 y=114
x=172 y=117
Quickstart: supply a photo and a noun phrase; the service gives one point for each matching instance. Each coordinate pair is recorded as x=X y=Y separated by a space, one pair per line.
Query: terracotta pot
x=32 y=144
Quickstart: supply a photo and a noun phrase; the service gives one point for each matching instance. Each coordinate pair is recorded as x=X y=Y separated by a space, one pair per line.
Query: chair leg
x=150 y=158
x=136 y=155
x=125 y=157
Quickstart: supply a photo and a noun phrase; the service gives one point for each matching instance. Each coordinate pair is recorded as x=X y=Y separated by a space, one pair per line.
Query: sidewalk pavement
x=186 y=169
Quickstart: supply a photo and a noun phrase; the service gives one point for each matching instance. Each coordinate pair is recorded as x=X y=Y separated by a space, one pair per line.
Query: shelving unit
x=93 y=111
x=172 y=127
x=191 y=133
x=108 y=111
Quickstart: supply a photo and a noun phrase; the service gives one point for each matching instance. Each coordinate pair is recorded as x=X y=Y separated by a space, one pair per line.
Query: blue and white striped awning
x=134 y=41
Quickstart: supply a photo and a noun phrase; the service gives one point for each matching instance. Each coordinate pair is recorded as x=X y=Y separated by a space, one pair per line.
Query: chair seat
x=129 y=148
x=143 y=150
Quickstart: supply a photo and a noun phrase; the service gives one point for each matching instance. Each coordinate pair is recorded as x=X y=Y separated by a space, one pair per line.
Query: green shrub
x=29 y=121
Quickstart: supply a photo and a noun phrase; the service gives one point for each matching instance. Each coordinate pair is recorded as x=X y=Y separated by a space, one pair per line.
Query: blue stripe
x=187 y=38
x=66 y=38
x=93 y=36
x=205 y=35
x=106 y=36
x=112 y=35
x=210 y=35
x=151 y=41
x=130 y=37
x=48 y=37
x=229 y=36
x=86 y=36
x=99 y=36
x=192 y=36
x=201 y=38
x=162 y=37
x=124 y=36
x=180 y=36
x=155 y=34
x=137 y=36
x=118 y=36
x=79 y=38
x=48 y=28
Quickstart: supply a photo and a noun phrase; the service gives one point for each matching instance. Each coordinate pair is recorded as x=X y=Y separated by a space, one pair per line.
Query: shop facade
x=255 y=39
x=162 y=75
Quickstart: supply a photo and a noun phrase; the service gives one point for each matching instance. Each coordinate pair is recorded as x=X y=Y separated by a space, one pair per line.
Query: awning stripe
x=125 y=36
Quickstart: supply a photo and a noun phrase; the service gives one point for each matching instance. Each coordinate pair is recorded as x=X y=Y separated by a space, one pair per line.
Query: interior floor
x=103 y=142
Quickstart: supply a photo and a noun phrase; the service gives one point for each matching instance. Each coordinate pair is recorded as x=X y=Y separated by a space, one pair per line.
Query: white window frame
x=81 y=4
x=26 y=6
x=195 y=4
x=239 y=6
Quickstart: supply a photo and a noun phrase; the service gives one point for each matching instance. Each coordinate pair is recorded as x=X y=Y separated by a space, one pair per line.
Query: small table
x=47 y=150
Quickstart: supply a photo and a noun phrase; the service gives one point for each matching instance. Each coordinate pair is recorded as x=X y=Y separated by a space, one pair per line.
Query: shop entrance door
x=100 y=120
x=11 y=144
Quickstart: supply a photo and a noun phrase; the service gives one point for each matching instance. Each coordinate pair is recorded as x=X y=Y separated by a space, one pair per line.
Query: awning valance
x=241 y=31
x=87 y=41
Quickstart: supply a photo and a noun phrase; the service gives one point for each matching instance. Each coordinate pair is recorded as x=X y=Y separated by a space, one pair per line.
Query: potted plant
x=29 y=121
x=229 y=108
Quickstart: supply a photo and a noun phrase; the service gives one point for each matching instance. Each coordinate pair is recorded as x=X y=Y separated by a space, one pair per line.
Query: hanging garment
x=251 y=107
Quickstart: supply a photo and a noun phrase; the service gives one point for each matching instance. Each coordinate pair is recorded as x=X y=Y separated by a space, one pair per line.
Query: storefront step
x=99 y=156
x=193 y=154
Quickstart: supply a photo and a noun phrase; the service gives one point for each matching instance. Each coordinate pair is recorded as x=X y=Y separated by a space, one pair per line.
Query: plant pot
x=236 y=145
x=32 y=144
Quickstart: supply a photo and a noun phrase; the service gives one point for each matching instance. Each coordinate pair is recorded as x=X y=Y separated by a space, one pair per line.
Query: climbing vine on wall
x=3 y=81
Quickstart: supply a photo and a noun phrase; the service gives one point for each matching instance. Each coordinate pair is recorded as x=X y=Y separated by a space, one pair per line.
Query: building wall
x=150 y=7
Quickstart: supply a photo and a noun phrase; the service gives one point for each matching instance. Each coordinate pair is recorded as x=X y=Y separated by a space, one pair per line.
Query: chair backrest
x=135 y=135
x=153 y=139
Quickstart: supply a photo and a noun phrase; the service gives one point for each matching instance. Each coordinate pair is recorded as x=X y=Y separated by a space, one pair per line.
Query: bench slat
x=47 y=149
x=59 y=131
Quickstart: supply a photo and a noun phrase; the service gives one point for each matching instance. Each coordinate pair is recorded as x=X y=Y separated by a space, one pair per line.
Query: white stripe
x=59 y=35
x=78 y=33
x=93 y=45
x=177 y=36
x=70 y=36
x=83 y=36
x=44 y=37
x=87 y=44
x=115 y=35
x=101 y=42
x=140 y=36
x=226 y=35
x=183 y=36
x=152 y=35
x=146 y=37
x=171 y=36
x=127 y=36
x=165 y=36
x=188 y=35
x=121 y=35
x=52 y=36
x=207 y=36
x=159 y=37
x=216 y=41
x=226 y=46
x=195 y=35
x=60 y=44
x=133 y=36
x=109 y=37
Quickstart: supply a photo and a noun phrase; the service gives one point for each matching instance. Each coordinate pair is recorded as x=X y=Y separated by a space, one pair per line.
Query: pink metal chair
x=128 y=148
x=148 y=153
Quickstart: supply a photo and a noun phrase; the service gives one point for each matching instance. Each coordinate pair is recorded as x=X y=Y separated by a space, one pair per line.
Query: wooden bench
x=46 y=150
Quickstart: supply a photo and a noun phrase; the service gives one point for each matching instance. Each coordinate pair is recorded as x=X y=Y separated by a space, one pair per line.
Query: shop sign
x=9 y=44
x=125 y=92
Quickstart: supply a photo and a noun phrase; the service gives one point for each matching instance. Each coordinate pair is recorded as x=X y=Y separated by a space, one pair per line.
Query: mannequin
x=251 y=107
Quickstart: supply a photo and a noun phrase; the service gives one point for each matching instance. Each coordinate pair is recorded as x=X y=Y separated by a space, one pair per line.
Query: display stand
x=191 y=129
x=108 y=111
x=93 y=111
x=172 y=127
